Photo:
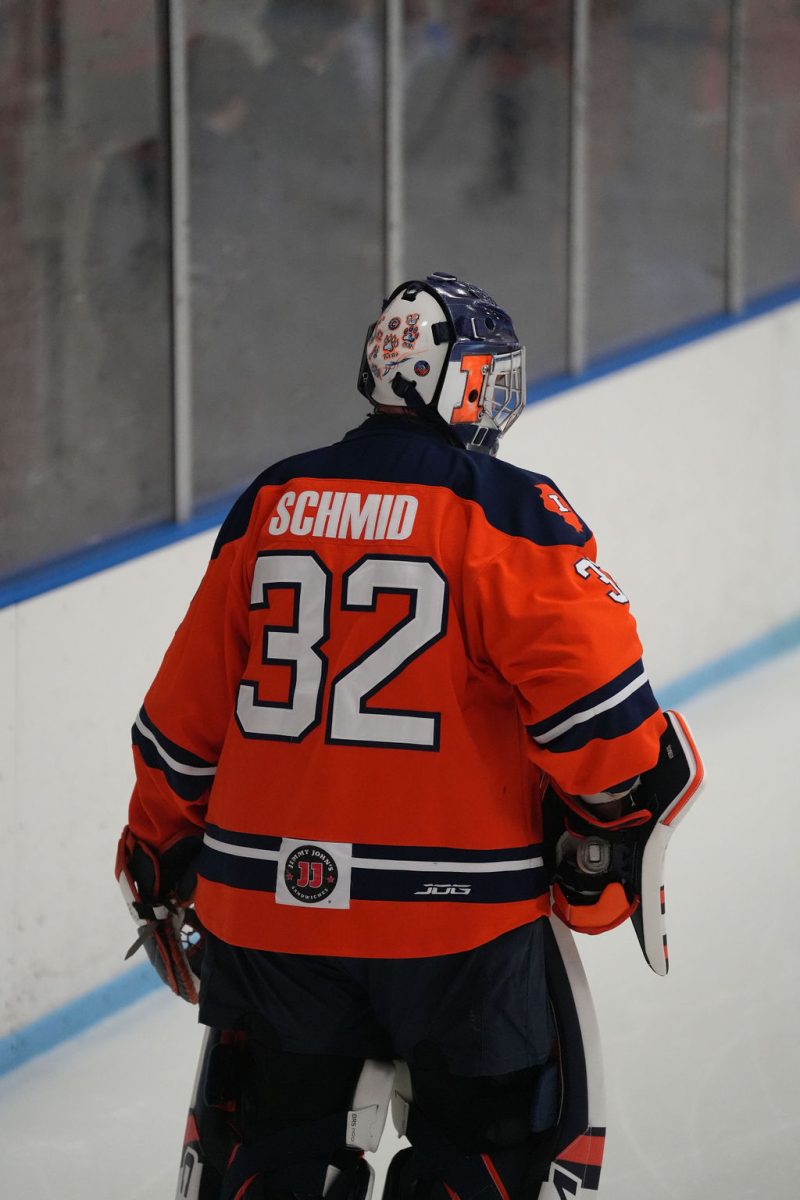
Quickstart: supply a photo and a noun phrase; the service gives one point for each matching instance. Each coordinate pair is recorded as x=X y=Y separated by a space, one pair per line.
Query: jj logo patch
x=314 y=873
x=310 y=874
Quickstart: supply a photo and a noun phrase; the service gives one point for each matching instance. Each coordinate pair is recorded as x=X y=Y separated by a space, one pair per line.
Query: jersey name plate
x=369 y=517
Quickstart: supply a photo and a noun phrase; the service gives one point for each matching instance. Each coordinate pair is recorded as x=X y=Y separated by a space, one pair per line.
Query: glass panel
x=772 y=145
x=84 y=306
x=285 y=155
x=657 y=177
x=487 y=155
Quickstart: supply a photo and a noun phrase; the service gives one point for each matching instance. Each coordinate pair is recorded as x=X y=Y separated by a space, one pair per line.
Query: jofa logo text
x=445 y=889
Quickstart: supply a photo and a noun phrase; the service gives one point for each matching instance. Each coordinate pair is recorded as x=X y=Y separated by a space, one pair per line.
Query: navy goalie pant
x=479 y=1012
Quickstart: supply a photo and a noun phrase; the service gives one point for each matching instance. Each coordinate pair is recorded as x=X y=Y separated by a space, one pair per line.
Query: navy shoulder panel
x=517 y=502
x=235 y=524
x=524 y=503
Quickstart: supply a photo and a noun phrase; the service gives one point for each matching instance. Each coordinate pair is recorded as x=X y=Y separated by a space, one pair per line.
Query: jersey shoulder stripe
x=609 y=712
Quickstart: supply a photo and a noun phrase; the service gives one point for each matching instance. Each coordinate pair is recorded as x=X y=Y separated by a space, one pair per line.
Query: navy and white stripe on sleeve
x=188 y=775
x=609 y=712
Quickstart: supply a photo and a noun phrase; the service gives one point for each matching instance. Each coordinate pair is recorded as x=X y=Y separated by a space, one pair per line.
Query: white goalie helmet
x=443 y=348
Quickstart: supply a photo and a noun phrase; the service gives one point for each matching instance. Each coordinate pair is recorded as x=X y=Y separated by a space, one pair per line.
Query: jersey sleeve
x=560 y=631
x=179 y=732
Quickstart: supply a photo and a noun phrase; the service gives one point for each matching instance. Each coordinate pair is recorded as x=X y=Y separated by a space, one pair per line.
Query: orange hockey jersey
x=393 y=640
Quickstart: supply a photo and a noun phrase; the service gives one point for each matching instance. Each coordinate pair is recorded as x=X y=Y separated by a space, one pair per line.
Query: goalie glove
x=607 y=871
x=593 y=866
x=158 y=890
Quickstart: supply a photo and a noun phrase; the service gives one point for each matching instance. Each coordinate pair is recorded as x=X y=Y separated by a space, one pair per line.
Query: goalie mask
x=444 y=349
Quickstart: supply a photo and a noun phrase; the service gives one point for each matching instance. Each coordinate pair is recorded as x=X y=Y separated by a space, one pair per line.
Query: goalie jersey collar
x=382 y=423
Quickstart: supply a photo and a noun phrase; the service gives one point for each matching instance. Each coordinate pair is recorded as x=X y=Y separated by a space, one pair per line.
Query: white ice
x=702 y=1068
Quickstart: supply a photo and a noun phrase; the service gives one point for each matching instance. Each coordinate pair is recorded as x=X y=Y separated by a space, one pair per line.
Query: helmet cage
x=483 y=388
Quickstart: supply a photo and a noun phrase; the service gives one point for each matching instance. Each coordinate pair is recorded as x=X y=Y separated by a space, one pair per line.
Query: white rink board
x=702 y=1067
x=685 y=465
x=82 y=658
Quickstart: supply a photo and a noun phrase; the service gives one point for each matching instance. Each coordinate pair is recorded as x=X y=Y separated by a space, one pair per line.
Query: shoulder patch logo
x=554 y=502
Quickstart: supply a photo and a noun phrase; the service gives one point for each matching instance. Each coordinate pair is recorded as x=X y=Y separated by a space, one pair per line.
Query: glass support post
x=181 y=280
x=577 y=249
x=734 y=166
x=393 y=147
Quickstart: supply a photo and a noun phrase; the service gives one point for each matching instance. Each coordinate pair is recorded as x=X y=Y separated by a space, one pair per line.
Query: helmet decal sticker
x=410 y=335
x=394 y=323
x=390 y=344
x=422 y=368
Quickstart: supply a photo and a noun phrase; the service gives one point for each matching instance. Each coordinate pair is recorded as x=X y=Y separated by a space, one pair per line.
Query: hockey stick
x=578 y=1157
x=684 y=775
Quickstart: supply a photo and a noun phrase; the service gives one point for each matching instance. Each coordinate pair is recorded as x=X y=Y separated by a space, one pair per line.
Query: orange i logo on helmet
x=476 y=367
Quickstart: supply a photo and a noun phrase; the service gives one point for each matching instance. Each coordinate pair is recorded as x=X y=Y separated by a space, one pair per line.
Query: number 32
x=298 y=646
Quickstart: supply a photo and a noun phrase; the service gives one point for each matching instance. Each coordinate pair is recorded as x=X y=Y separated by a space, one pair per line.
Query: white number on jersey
x=297 y=647
x=350 y=721
x=585 y=568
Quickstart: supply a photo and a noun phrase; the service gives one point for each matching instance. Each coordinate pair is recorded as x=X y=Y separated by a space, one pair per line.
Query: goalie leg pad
x=473 y=1133
x=401 y=1177
x=264 y=1123
x=478 y=1143
x=211 y=1127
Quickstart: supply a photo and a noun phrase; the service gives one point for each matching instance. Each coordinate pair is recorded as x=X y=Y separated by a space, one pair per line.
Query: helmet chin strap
x=407 y=391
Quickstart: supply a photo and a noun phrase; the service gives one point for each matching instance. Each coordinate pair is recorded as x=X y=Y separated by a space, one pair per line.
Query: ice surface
x=702 y=1068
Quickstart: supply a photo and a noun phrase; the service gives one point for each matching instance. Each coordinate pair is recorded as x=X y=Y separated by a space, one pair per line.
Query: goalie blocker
x=607 y=871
